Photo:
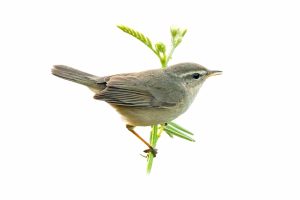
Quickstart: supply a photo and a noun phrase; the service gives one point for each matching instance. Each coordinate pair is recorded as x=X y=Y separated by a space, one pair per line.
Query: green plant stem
x=153 y=140
x=156 y=131
x=163 y=61
x=170 y=54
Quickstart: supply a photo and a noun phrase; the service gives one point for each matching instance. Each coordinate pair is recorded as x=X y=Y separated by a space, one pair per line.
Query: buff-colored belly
x=148 y=116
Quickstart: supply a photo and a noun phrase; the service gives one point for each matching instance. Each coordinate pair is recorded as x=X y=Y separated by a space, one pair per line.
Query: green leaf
x=183 y=32
x=160 y=47
x=174 y=31
x=169 y=134
x=179 y=127
x=178 y=133
x=140 y=36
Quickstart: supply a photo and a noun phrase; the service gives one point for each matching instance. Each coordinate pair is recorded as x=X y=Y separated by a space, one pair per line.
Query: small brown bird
x=144 y=98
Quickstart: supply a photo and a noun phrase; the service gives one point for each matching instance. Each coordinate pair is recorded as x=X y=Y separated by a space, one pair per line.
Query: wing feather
x=133 y=91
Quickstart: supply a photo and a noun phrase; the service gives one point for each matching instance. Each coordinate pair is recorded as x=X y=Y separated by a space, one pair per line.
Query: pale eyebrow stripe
x=201 y=72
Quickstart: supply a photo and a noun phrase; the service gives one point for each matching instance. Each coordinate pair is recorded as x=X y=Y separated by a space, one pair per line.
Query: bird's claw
x=152 y=150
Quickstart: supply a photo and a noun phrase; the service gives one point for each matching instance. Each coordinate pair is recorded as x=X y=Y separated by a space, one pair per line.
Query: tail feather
x=77 y=76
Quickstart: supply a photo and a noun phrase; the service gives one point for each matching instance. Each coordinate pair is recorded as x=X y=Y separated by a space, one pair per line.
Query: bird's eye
x=196 y=75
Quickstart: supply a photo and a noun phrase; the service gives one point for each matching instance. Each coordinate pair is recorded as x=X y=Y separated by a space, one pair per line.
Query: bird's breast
x=138 y=116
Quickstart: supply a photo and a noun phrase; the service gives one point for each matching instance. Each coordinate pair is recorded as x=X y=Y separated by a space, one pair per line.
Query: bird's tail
x=77 y=76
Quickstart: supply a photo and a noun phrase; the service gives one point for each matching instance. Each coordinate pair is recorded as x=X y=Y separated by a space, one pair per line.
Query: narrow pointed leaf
x=178 y=134
x=179 y=127
x=169 y=134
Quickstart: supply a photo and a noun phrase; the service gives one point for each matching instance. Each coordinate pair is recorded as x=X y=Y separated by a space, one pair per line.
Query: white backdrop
x=56 y=142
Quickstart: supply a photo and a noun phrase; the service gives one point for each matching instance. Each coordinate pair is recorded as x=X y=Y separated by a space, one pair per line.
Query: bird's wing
x=133 y=91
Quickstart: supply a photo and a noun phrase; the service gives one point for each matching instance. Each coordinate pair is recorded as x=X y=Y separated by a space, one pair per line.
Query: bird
x=145 y=98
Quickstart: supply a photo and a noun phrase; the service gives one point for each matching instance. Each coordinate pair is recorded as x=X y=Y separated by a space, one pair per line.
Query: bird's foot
x=152 y=150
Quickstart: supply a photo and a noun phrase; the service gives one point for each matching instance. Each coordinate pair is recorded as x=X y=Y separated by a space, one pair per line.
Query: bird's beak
x=213 y=73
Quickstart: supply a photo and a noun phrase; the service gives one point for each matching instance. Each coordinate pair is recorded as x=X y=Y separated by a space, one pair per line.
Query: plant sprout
x=160 y=50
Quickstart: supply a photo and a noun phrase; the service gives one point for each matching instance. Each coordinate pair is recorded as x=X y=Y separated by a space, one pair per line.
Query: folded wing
x=133 y=91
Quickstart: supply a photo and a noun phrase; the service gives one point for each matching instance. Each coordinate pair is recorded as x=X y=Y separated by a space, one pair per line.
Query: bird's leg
x=151 y=149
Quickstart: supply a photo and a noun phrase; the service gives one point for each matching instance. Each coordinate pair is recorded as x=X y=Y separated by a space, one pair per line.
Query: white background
x=56 y=142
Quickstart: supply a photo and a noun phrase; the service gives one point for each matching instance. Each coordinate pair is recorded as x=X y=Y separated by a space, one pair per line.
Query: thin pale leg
x=151 y=149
